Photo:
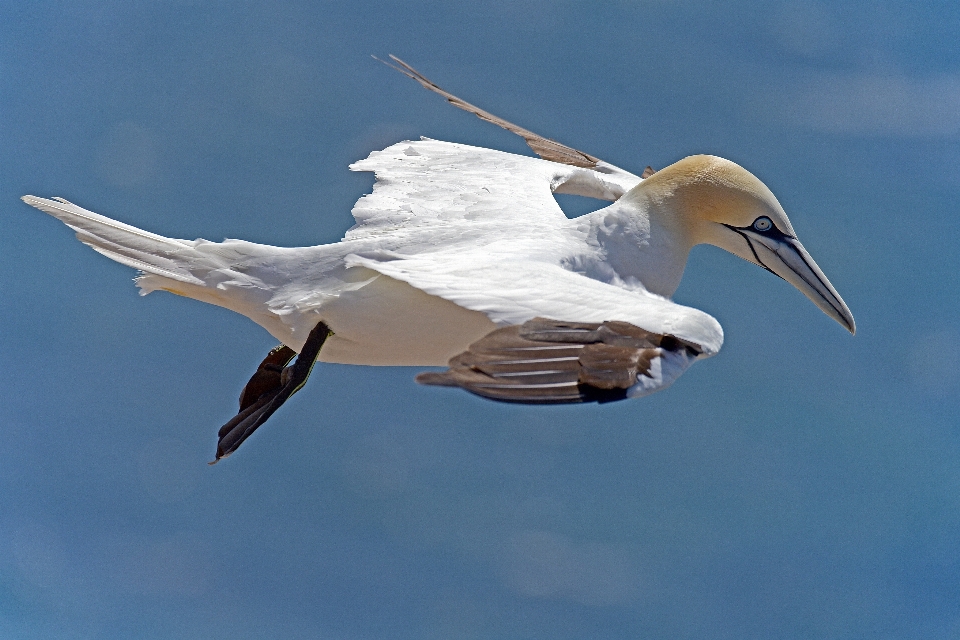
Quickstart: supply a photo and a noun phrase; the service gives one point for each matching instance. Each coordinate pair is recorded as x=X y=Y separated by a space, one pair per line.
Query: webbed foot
x=273 y=383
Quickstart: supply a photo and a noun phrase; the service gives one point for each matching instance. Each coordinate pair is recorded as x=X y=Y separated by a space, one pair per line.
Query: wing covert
x=431 y=183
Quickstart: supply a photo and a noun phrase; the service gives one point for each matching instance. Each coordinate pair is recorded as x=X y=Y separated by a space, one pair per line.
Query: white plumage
x=456 y=241
x=473 y=227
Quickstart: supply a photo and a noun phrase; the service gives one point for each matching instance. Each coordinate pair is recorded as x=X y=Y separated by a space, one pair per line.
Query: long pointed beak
x=787 y=258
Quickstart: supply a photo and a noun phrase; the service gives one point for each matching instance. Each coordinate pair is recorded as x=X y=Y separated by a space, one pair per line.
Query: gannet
x=461 y=257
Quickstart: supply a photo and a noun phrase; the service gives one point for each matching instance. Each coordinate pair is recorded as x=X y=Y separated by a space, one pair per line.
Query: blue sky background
x=802 y=484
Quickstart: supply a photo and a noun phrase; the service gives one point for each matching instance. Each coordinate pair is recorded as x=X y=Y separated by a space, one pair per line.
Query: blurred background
x=801 y=484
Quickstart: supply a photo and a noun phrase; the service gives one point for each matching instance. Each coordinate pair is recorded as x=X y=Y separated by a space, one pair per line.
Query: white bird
x=461 y=256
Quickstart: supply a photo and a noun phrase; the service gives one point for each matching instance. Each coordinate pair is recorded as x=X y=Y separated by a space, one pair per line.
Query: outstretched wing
x=550 y=362
x=436 y=185
x=544 y=147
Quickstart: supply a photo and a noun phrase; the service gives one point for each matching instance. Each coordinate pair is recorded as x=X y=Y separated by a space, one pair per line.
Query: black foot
x=268 y=388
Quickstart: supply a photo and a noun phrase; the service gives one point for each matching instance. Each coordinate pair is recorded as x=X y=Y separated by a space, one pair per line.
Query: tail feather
x=244 y=277
x=149 y=252
x=123 y=256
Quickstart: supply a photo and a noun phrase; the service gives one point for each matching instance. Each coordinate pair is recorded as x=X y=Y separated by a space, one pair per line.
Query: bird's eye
x=762 y=224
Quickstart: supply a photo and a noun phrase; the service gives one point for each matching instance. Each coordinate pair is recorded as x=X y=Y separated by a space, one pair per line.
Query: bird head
x=718 y=202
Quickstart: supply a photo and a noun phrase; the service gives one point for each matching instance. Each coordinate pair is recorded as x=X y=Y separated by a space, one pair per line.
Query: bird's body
x=459 y=253
x=375 y=319
x=424 y=275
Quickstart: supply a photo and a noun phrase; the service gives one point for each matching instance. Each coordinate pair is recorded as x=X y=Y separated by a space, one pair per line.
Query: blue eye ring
x=762 y=224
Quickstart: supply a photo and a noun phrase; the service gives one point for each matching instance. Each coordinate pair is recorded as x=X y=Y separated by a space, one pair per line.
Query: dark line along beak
x=784 y=256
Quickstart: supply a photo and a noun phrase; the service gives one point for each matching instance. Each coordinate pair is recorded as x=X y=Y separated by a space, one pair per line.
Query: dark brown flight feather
x=546 y=361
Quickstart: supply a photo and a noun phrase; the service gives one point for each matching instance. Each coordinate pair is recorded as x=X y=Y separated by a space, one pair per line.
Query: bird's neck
x=636 y=241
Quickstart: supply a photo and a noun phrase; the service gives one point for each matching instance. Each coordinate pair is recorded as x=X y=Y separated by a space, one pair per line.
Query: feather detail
x=546 y=361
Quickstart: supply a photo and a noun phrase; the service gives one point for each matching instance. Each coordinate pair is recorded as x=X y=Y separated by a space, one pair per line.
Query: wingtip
x=400 y=66
x=436 y=379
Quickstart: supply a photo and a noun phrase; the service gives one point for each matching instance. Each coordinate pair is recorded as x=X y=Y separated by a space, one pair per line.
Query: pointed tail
x=148 y=252
x=238 y=275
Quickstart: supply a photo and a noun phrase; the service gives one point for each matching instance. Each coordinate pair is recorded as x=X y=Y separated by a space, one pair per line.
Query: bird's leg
x=273 y=383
